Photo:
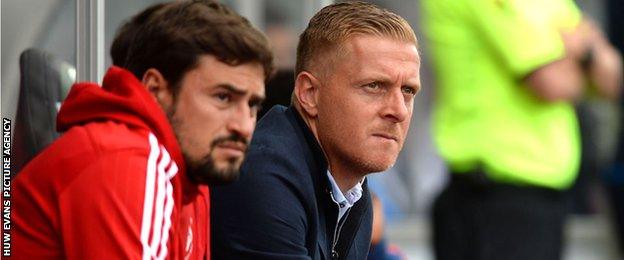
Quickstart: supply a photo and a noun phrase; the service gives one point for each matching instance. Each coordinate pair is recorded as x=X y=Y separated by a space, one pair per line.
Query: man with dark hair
x=302 y=192
x=128 y=178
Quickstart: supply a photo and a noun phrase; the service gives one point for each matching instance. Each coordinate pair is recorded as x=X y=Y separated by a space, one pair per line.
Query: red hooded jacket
x=113 y=186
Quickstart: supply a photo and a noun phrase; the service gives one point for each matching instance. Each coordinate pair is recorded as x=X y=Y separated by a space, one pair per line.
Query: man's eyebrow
x=232 y=88
x=240 y=92
x=385 y=80
x=417 y=85
x=257 y=100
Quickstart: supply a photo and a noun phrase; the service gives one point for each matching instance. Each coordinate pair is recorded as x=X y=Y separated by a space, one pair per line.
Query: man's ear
x=306 y=91
x=158 y=86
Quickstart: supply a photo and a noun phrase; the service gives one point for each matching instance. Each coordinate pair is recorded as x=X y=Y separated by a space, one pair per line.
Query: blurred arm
x=605 y=67
x=563 y=79
x=560 y=80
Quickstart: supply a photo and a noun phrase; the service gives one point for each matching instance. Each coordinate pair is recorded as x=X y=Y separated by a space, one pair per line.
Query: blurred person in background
x=614 y=177
x=128 y=178
x=507 y=76
x=380 y=248
x=302 y=193
x=283 y=36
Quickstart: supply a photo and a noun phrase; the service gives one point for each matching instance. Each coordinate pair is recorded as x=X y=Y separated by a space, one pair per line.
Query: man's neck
x=345 y=177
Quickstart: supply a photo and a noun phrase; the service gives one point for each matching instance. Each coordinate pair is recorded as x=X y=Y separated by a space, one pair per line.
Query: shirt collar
x=349 y=198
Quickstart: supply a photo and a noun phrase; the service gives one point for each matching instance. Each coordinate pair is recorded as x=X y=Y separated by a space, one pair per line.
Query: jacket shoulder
x=83 y=145
x=278 y=143
x=89 y=171
x=276 y=188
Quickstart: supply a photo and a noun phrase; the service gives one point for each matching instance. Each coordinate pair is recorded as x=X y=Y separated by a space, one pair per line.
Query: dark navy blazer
x=281 y=207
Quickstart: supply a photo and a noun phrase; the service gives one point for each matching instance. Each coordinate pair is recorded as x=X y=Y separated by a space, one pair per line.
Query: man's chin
x=379 y=164
x=210 y=173
x=214 y=177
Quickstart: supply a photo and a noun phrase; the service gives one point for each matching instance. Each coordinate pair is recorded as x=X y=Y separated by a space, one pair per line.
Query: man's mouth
x=232 y=149
x=387 y=136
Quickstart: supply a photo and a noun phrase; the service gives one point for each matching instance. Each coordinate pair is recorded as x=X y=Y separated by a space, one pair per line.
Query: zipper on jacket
x=337 y=229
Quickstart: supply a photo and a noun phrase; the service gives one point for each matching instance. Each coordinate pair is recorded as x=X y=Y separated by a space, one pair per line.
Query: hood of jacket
x=122 y=98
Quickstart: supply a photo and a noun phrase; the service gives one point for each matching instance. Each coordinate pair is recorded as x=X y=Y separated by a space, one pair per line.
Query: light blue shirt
x=348 y=199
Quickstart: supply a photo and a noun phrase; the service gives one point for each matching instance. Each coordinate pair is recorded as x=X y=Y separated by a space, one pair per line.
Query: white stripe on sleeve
x=148 y=201
x=159 y=203
x=173 y=169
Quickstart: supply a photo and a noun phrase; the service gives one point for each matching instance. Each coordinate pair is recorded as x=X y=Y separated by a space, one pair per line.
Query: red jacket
x=113 y=186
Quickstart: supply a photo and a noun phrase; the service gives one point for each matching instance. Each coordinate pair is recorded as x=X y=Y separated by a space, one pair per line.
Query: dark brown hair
x=171 y=37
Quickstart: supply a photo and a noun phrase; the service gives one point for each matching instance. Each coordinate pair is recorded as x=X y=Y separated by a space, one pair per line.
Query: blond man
x=302 y=192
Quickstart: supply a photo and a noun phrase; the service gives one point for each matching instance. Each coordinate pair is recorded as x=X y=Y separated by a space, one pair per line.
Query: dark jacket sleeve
x=263 y=214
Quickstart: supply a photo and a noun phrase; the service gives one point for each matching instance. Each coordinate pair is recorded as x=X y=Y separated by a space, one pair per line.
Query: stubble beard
x=205 y=171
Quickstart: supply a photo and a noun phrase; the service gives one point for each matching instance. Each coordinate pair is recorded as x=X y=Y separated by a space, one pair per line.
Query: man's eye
x=223 y=97
x=409 y=90
x=373 y=86
x=255 y=106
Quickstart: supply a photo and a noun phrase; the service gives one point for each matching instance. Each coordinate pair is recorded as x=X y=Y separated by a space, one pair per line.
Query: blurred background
x=80 y=32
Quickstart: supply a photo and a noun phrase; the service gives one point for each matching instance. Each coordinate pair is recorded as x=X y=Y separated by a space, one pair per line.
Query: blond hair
x=334 y=24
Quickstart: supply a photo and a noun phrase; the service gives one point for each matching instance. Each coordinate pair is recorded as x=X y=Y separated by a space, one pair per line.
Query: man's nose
x=395 y=107
x=243 y=122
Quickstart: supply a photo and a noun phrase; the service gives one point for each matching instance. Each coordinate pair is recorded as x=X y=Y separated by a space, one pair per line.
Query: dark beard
x=206 y=172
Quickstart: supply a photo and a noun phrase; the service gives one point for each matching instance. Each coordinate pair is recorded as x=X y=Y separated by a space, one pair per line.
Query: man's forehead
x=360 y=51
x=379 y=52
x=246 y=78
x=381 y=46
